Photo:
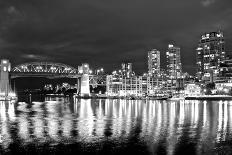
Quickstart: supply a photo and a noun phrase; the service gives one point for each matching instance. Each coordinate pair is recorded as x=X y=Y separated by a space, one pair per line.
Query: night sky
x=106 y=32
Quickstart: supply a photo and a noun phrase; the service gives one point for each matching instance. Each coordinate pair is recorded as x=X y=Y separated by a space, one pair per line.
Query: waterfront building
x=154 y=63
x=210 y=53
x=192 y=89
x=174 y=66
x=223 y=88
x=134 y=86
x=225 y=71
x=127 y=69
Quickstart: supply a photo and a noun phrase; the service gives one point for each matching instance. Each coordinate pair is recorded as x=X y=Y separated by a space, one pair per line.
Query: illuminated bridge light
x=39 y=67
x=53 y=68
x=67 y=69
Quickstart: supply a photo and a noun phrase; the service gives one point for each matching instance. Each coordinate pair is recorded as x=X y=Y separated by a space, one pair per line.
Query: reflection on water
x=116 y=126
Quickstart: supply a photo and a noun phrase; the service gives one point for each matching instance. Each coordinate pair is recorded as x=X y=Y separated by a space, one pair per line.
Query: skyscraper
x=154 y=63
x=210 y=52
x=174 y=67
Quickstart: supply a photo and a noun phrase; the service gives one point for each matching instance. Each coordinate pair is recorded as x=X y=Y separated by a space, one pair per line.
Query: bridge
x=44 y=69
x=50 y=70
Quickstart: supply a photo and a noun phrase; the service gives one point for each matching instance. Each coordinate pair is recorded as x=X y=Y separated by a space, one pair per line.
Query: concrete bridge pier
x=84 y=80
x=4 y=77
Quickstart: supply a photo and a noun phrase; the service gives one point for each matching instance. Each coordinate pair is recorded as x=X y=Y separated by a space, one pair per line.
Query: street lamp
x=98 y=71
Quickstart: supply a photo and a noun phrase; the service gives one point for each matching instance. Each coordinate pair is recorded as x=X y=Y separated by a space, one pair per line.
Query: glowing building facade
x=210 y=53
x=174 y=66
x=154 y=63
x=135 y=86
x=127 y=69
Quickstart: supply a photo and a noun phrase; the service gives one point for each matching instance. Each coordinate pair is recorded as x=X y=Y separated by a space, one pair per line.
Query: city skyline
x=104 y=34
x=115 y=77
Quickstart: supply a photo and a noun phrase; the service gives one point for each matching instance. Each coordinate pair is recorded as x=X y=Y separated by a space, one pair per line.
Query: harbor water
x=66 y=125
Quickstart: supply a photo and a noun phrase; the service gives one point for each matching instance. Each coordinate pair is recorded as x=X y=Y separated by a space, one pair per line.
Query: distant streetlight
x=81 y=71
x=98 y=71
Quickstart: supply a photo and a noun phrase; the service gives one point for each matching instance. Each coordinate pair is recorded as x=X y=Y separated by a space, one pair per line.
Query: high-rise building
x=174 y=66
x=210 y=53
x=154 y=63
x=225 y=71
x=127 y=69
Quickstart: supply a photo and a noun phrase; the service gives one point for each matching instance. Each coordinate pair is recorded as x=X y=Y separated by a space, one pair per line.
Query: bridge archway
x=45 y=67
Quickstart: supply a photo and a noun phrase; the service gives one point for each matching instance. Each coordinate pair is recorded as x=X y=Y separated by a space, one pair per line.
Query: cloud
x=207 y=3
x=12 y=10
x=34 y=57
x=10 y=16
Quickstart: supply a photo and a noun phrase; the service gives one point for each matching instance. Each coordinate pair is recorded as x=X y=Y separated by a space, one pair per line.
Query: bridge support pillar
x=84 y=84
x=4 y=77
x=85 y=91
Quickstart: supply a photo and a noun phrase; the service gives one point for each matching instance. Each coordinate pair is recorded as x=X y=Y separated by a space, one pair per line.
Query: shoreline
x=205 y=97
x=208 y=97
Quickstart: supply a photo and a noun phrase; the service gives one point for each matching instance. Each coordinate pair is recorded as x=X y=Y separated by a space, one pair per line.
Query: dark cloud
x=107 y=32
x=33 y=57
x=207 y=3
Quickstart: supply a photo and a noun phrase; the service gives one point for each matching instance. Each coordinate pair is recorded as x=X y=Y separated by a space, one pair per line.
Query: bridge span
x=49 y=70
x=14 y=75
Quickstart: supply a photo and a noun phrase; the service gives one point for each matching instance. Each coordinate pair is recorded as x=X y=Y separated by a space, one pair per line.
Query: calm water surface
x=49 y=125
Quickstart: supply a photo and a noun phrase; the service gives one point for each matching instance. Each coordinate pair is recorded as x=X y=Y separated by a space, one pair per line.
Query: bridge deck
x=40 y=74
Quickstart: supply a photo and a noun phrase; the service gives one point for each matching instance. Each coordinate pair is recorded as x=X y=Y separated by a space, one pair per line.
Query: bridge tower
x=4 y=77
x=84 y=81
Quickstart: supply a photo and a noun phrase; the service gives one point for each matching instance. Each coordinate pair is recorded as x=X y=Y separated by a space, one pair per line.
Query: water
x=73 y=126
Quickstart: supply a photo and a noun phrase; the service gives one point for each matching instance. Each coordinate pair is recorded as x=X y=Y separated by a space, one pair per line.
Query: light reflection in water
x=158 y=124
x=52 y=119
x=5 y=137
